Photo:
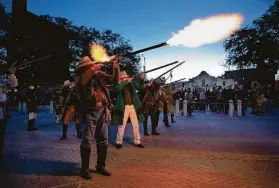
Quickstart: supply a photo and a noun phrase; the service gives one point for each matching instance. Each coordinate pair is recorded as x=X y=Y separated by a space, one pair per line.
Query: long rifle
x=168 y=71
x=163 y=66
x=147 y=93
x=22 y=65
x=30 y=62
x=177 y=81
x=157 y=68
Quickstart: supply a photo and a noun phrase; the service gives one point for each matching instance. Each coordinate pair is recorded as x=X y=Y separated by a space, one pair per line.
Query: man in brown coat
x=92 y=87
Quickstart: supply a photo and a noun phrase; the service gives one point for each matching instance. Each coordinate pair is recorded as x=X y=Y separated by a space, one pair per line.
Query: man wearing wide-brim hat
x=70 y=103
x=92 y=87
x=128 y=106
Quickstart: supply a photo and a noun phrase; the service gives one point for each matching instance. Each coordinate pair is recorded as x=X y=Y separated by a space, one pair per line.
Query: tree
x=4 y=19
x=256 y=45
x=81 y=36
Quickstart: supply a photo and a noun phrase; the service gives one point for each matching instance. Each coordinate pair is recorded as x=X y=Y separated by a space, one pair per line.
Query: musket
x=169 y=70
x=147 y=93
x=30 y=62
x=157 y=68
x=177 y=81
x=163 y=66
x=24 y=64
x=147 y=49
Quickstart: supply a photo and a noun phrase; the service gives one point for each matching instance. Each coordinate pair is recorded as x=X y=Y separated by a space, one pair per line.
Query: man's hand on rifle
x=130 y=79
x=116 y=59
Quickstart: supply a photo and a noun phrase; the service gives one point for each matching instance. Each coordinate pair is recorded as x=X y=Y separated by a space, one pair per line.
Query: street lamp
x=144 y=65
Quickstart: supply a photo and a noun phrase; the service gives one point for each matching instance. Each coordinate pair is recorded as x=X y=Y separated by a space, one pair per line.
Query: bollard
x=231 y=108
x=177 y=107
x=19 y=106
x=185 y=103
x=51 y=107
x=24 y=107
x=239 y=107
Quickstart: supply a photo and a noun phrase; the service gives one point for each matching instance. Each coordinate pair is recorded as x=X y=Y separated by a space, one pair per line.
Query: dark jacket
x=32 y=100
x=85 y=86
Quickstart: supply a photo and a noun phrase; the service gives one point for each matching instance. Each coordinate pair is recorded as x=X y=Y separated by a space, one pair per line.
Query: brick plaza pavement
x=207 y=150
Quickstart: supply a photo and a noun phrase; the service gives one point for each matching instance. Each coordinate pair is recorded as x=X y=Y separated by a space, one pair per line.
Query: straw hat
x=123 y=74
x=85 y=61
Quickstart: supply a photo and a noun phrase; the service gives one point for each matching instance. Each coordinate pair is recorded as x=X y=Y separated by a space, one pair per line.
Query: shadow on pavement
x=16 y=164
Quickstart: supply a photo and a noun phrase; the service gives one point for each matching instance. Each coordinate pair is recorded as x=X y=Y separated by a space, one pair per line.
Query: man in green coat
x=128 y=106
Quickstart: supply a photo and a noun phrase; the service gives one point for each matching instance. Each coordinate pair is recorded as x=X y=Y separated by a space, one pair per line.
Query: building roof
x=202 y=74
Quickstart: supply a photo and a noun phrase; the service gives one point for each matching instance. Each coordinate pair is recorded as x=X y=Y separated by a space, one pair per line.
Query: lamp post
x=144 y=63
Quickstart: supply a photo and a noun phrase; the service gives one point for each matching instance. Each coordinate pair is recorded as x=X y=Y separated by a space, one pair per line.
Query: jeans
x=96 y=128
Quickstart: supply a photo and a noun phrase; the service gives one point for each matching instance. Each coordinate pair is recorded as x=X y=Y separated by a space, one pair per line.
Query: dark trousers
x=244 y=107
x=202 y=105
x=165 y=112
x=3 y=123
x=189 y=109
x=220 y=106
x=150 y=111
x=96 y=128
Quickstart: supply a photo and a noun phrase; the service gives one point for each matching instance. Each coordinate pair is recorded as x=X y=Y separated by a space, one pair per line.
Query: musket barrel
x=169 y=70
x=163 y=66
x=177 y=80
x=148 y=48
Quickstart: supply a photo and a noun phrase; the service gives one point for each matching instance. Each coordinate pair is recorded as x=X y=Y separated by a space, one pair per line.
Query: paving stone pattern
x=207 y=150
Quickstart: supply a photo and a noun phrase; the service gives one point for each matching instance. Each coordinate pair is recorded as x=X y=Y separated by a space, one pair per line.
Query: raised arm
x=115 y=77
x=121 y=85
x=138 y=82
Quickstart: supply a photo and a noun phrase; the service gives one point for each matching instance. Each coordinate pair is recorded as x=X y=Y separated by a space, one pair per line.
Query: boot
x=64 y=135
x=154 y=131
x=29 y=125
x=85 y=157
x=172 y=118
x=167 y=123
x=145 y=129
x=101 y=160
x=33 y=125
x=78 y=131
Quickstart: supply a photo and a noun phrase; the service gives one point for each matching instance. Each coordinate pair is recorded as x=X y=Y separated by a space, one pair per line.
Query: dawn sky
x=149 y=22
